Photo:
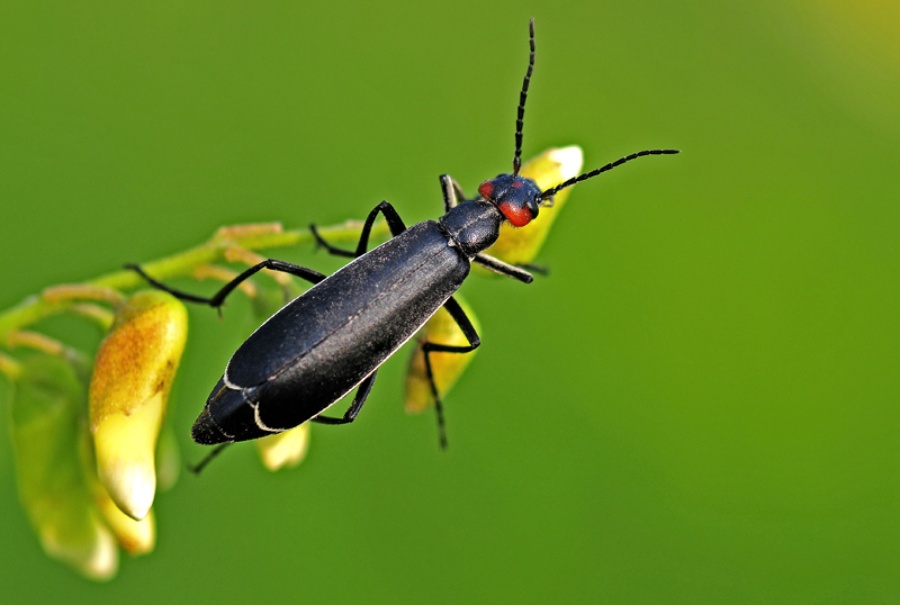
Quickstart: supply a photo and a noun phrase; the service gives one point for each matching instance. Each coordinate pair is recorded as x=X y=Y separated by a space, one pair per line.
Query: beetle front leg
x=495 y=264
x=451 y=192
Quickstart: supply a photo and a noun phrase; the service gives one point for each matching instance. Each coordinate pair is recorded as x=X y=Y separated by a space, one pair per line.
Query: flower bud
x=49 y=435
x=446 y=367
x=133 y=374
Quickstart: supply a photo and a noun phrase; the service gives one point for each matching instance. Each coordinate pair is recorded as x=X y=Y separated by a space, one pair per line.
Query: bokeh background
x=698 y=405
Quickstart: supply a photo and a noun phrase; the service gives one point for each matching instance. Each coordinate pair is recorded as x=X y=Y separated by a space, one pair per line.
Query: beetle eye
x=518 y=215
x=486 y=189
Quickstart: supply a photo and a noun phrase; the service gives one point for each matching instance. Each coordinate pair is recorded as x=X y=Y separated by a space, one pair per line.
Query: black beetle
x=333 y=338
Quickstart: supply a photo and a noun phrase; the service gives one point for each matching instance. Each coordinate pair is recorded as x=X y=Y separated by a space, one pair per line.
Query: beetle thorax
x=473 y=226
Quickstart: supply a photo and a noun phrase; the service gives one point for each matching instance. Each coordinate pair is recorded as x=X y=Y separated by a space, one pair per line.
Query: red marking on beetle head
x=486 y=189
x=518 y=216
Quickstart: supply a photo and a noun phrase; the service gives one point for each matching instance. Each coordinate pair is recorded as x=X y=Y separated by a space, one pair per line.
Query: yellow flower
x=133 y=373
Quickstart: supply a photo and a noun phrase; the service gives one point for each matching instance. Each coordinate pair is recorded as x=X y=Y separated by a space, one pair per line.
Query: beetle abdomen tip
x=206 y=432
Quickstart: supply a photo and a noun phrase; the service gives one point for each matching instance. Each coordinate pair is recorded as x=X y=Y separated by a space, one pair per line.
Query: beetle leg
x=465 y=324
x=331 y=249
x=395 y=223
x=198 y=468
x=495 y=264
x=362 y=393
x=218 y=298
x=541 y=270
x=451 y=192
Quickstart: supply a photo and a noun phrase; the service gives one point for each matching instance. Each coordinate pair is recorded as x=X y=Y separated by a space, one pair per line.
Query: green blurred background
x=699 y=405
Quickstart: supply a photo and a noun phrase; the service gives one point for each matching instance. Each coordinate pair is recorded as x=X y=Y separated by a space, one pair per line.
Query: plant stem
x=250 y=237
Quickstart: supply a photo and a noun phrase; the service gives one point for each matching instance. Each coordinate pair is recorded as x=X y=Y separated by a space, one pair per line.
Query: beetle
x=334 y=337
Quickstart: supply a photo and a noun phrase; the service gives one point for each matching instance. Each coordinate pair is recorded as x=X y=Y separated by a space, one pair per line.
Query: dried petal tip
x=129 y=390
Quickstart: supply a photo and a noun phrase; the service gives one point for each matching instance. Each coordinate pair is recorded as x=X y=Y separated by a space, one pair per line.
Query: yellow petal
x=136 y=537
x=284 y=450
x=125 y=447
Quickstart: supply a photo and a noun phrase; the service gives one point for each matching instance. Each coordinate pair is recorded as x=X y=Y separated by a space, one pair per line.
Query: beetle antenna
x=523 y=95
x=549 y=193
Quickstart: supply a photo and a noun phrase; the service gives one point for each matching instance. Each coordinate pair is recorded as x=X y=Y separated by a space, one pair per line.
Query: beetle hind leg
x=465 y=324
x=198 y=468
x=362 y=393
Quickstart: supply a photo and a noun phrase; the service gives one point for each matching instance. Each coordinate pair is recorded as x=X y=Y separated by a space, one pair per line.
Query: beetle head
x=519 y=198
x=516 y=197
